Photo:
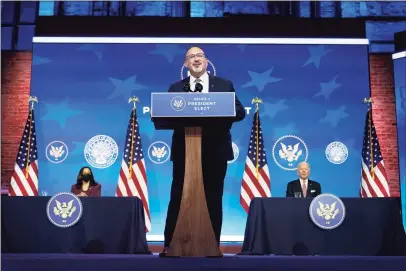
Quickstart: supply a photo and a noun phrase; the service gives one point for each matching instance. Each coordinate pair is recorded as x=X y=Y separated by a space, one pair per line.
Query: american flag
x=256 y=181
x=374 y=179
x=24 y=181
x=132 y=181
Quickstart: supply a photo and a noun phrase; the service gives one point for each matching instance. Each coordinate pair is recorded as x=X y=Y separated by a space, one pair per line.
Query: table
x=108 y=225
x=283 y=226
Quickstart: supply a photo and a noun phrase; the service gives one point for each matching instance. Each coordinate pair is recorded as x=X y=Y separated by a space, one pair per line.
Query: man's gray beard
x=198 y=70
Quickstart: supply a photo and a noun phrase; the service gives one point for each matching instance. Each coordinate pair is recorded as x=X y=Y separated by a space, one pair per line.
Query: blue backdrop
x=312 y=97
x=400 y=92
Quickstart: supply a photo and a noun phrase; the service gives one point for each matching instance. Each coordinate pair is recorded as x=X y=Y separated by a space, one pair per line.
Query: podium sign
x=188 y=104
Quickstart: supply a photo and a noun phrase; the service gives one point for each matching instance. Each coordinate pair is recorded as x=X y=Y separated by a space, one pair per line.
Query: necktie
x=304 y=189
x=198 y=86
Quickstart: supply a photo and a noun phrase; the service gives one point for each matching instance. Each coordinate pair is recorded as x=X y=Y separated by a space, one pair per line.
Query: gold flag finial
x=32 y=100
x=257 y=101
x=368 y=100
x=133 y=100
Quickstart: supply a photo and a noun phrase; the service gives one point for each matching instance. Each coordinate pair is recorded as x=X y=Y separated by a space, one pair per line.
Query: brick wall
x=384 y=114
x=15 y=86
x=15 y=89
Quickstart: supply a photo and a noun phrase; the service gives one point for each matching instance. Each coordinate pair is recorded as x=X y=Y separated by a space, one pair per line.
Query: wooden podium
x=194 y=234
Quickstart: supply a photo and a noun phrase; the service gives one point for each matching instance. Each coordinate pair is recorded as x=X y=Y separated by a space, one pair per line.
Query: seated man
x=303 y=187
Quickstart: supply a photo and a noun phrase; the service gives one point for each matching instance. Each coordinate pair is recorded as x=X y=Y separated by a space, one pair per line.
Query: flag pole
x=257 y=100
x=369 y=104
x=133 y=100
x=32 y=100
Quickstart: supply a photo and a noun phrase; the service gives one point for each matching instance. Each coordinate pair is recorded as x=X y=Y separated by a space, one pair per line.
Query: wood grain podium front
x=193 y=234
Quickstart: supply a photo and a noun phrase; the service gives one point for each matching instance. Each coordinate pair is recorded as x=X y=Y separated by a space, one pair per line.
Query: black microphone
x=186 y=87
x=198 y=87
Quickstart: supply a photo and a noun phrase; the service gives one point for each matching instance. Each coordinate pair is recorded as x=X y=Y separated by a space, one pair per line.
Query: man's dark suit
x=216 y=151
x=313 y=189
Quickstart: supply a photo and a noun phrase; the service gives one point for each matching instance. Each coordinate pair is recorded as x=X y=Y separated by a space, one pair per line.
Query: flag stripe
x=264 y=180
x=363 y=193
x=368 y=185
x=381 y=174
x=254 y=185
x=247 y=189
x=23 y=182
x=18 y=188
x=366 y=181
x=378 y=182
x=259 y=183
x=372 y=161
x=140 y=174
x=243 y=200
x=374 y=184
x=119 y=187
x=33 y=175
x=138 y=186
x=26 y=162
x=130 y=186
x=124 y=180
x=32 y=180
x=134 y=183
x=11 y=191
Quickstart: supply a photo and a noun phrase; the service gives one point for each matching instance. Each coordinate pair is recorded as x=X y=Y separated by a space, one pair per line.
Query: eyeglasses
x=196 y=55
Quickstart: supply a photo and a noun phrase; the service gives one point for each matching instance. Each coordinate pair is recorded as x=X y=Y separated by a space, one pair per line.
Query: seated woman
x=85 y=185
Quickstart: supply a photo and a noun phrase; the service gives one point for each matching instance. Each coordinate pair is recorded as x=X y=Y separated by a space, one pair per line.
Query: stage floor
x=104 y=262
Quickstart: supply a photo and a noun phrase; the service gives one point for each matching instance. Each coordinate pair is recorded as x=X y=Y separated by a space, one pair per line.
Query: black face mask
x=86 y=177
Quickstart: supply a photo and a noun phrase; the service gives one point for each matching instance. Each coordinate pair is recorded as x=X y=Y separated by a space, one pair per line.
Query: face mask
x=86 y=177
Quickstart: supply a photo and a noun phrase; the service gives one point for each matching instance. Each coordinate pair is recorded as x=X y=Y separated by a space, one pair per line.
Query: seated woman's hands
x=82 y=194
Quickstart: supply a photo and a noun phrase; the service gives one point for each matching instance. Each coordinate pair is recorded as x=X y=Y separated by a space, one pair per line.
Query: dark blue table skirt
x=108 y=225
x=283 y=226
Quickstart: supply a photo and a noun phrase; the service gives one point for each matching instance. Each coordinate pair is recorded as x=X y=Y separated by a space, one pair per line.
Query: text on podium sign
x=187 y=104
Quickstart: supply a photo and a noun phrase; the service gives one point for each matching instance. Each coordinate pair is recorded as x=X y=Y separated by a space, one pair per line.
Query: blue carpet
x=104 y=262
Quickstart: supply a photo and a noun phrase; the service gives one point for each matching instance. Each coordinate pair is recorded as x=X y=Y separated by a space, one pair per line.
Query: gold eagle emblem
x=327 y=211
x=64 y=209
x=159 y=152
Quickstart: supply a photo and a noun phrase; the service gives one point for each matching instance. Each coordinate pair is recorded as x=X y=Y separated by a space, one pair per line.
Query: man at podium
x=216 y=145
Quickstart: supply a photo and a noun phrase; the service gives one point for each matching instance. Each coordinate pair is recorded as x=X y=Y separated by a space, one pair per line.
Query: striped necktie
x=304 y=189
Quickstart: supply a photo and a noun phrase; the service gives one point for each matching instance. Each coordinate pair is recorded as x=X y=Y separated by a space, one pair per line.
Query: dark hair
x=80 y=175
x=193 y=46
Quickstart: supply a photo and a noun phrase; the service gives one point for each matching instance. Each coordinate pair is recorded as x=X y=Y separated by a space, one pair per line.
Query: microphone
x=186 y=87
x=198 y=87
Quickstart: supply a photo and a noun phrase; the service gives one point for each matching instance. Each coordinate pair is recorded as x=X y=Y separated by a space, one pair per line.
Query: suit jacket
x=216 y=136
x=92 y=191
x=313 y=189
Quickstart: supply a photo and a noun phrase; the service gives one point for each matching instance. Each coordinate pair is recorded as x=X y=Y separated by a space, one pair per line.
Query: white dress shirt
x=204 y=81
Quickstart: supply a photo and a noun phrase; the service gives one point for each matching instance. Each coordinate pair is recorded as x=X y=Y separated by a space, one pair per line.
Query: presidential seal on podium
x=64 y=209
x=327 y=211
